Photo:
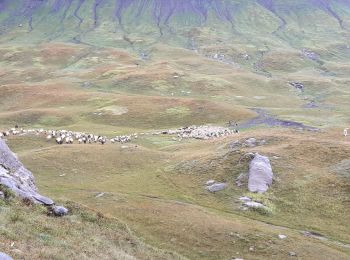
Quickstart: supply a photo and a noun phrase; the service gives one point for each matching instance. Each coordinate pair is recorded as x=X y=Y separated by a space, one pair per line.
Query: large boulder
x=17 y=178
x=260 y=174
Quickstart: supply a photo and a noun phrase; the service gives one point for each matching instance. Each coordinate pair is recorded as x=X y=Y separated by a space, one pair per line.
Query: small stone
x=59 y=211
x=253 y=204
x=292 y=254
x=210 y=182
x=217 y=187
x=282 y=236
x=245 y=199
x=251 y=248
x=251 y=142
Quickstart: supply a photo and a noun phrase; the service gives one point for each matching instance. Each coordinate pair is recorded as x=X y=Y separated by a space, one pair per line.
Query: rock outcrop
x=17 y=178
x=260 y=174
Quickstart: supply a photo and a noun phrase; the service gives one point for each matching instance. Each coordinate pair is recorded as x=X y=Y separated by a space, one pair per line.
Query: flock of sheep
x=203 y=132
x=69 y=137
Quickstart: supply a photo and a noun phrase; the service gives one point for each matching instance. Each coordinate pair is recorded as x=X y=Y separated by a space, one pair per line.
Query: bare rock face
x=17 y=178
x=260 y=174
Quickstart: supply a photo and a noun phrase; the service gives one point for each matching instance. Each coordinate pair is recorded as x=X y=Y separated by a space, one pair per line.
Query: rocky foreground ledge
x=20 y=181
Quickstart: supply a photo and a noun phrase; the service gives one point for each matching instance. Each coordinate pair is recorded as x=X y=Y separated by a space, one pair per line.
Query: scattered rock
x=310 y=55
x=254 y=205
x=251 y=142
x=59 y=211
x=235 y=144
x=282 y=236
x=210 y=182
x=245 y=199
x=260 y=174
x=100 y=194
x=217 y=187
x=313 y=235
x=292 y=254
x=4 y=256
x=242 y=179
x=297 y=85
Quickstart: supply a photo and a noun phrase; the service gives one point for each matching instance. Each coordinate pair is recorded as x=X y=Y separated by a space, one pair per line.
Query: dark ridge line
x=269 y=5
x=141 y=8
x=66 y=10
x=158 y=17
x=57 y=5
x=119 y=6
x=200 y=10
x=96 y=4
x=76 y=13
x=325 y=6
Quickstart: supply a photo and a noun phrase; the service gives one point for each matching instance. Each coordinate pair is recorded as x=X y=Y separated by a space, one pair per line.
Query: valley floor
x=157 y=188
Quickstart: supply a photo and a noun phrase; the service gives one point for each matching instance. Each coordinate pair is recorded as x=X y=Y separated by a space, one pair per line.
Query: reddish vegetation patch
x=58 y=52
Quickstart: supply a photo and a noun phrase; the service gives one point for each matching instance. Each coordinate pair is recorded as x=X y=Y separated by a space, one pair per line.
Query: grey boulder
x=59 y=211
x=260 y=174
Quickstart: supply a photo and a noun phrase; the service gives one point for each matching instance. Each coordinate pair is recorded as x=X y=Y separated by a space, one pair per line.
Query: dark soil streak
x=264 y=118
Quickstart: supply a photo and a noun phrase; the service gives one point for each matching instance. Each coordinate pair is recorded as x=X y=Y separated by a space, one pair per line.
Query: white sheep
x=346 y=132
x=59 y=140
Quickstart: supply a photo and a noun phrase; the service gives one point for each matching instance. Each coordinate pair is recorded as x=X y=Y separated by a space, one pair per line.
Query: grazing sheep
x=346 y=132
x=59 y=140
x=49 y=137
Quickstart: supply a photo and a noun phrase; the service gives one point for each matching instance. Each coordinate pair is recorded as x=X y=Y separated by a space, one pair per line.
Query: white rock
x=210 y=182
x=255 y=205
x=282 y=236
x=216 y=187
x=245 y=199
x=260 y=174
